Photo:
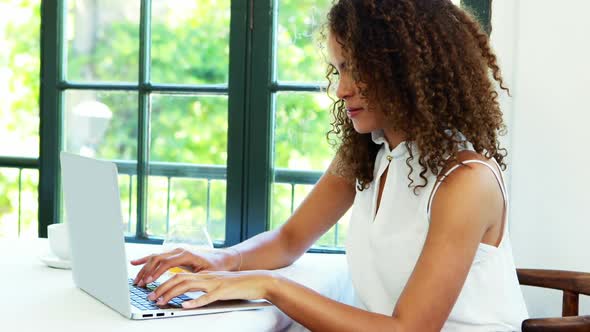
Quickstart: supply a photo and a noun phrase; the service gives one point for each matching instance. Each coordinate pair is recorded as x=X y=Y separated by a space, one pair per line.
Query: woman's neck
x=394 y=137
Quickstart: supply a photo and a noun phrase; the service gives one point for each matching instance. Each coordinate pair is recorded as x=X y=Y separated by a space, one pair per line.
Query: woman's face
x=364 y=120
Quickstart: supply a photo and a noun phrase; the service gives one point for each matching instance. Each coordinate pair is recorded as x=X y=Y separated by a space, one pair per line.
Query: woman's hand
x=157 y=264
x=245 y=285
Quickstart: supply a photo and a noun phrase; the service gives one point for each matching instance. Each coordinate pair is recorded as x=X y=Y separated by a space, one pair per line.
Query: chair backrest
x=572 y=284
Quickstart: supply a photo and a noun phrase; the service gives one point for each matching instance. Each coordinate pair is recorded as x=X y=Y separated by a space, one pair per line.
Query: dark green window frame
x=250 y=91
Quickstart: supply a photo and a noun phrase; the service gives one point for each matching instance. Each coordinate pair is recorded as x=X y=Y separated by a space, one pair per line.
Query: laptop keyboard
x=139 y=297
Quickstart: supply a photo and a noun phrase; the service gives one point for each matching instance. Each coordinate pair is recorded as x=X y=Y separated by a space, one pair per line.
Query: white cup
x=59 y=240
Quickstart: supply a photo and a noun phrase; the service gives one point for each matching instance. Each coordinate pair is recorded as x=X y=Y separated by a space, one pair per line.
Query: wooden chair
x=572 y=284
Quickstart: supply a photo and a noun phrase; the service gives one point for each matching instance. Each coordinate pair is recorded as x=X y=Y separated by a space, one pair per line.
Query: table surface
x=40 y=298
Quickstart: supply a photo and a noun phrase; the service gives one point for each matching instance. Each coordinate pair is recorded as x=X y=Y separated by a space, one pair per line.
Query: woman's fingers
x=147 y=270
x=167 y=263
x=177 y=285
x=216 y=285
x=140 y=261
x=179 y=289
x=141 y=272
x=184 y=259
x=164 y=287
x=151 y=262
x=202 y=300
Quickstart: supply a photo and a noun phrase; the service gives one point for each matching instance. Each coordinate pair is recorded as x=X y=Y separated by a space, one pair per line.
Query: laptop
x=99 y=261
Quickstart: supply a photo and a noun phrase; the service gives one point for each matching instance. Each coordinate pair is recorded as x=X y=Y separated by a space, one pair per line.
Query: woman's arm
x=469 y=204
x=314 y=311
x=459 y=221
x=330 y=198
x=319 y=313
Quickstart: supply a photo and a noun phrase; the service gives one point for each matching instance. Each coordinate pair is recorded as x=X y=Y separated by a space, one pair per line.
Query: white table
x=35 y=297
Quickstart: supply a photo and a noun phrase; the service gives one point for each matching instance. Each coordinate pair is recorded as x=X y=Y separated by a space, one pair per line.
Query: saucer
x=55 y=262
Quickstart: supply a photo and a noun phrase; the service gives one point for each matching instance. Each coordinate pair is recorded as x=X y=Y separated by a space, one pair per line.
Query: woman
x=419 y=162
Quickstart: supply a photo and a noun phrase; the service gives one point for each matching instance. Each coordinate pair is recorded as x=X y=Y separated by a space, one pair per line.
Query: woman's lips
x=352 y=112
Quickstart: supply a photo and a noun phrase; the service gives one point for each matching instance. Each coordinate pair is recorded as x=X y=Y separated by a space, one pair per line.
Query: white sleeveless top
x=383 y=249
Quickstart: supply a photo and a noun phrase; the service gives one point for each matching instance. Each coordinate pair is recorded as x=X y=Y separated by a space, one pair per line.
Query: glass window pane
x=128 y=193
x=301 y=148
x=281 y=203
x=189 y=129
x=18 y=203
x=158 y=213
x=301 y=123
x=101 y=124
x=333 y=238
x=186 y=201
x=102 y=40
x=188 y=157
x=298 y=56
x=19 y=73
x=287 y=196
x=217 y=206
x=190 y=41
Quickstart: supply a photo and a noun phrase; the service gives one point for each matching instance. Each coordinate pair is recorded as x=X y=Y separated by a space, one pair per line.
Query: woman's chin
x=359 y=128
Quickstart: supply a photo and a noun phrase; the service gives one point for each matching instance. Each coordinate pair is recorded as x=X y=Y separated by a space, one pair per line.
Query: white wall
x=503 y=38
x=544 y=47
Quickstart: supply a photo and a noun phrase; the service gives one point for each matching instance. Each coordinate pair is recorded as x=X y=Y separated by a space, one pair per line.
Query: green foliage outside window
x=190 y=47
x=19 y=113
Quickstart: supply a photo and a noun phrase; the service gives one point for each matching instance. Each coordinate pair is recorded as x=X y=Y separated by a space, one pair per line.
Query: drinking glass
x=193 y=237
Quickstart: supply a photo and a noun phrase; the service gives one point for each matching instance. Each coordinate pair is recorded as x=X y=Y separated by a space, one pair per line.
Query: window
x=300 y=110
x=213 y=110
x=19 y=117
x=145 y=84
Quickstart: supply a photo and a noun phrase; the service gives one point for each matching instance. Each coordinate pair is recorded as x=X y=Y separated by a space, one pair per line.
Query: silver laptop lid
x=94 y=219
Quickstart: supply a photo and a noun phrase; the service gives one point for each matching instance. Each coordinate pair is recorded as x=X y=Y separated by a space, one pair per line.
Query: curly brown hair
x=426 y=64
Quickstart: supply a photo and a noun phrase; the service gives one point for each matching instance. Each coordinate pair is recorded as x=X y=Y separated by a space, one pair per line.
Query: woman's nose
x=345 y=87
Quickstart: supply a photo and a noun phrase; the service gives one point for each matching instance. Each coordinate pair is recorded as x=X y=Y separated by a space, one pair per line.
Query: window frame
x=249 y=170
x=54 y=64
